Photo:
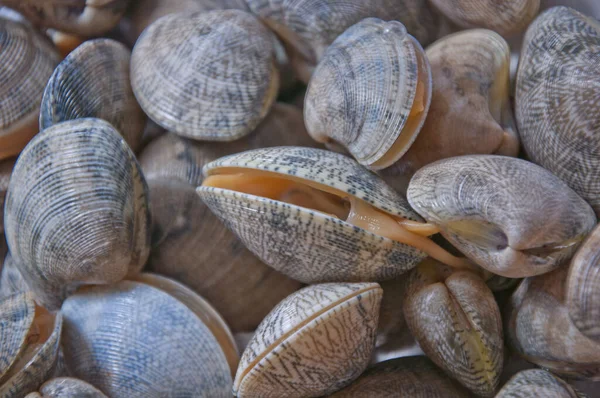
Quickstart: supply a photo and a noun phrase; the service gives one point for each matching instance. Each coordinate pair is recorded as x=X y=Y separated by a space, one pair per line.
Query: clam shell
x=208 y=76
x=557 y=107
x=364 y=88
x=499 y=210
x=76 y=209
x=535 y=383
x=306 y=245
x=93 y=81
x=169 y=350
x=28 y=59
x=6 y=167
x=314 y=342
x=67 y=387
x=11 y=281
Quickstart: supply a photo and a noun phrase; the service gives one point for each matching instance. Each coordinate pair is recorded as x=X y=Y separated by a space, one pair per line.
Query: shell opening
x=334 y=203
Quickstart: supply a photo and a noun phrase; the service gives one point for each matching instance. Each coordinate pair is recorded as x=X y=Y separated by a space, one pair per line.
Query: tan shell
x=470 y=110
x=505 y=17
x=510 y=216
x=535 y=383
x=365 y=92
x=457 y=323
x=414 y=377
x=109 y=329
x=67 y=387
x=208 y=76
x=557 y=110
x=313 y=343
x=93 y=81
x=64 y=42
x=27 y=61
x=76 y=209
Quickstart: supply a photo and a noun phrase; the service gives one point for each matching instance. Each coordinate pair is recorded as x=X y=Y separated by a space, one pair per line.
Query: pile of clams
x=299 y=198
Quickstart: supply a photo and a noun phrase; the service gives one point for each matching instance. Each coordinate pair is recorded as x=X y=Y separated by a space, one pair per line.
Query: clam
x=370 y=93
x=29 y=344
x=207 y=76
x=93 y=81
x=308 y=27
x=76 y=209
x=508 y=215
x=11 y=280
x=535 y=383
x=457 y=322
x=147 y=338
x=6 y=167
x=67 y=387
x=318 y=216
x=557 y=106
x=27 y=61
x=470 y=111
x=506 y=17
x=313 y=343
x=415 y=377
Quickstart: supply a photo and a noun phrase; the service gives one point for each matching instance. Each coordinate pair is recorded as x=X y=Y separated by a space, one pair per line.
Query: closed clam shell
x=415 y=377
x=67 y=387
x=535 y=383
x=506 y=17
x=167 y=349
x=93 y=81
x=313 y=343
x=76 y=209
x=207 y=76
x=557 y=110
x=508 y=215
x=370 y=93
x=6 y=167
x=27 y=61
x=470 y=110
x=312 y=246
x=29 y=344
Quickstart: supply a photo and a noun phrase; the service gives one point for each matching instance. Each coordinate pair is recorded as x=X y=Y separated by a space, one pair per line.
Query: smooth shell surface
x=314 y=342
x=207 y=76
x=27 y=61
x=109 y=326
x=535 y=383
x=363 y=90
x=67 y=387
x=557 y=107
x=93 y=81
x=508 y=215
x=76 y=209
x=306 y=245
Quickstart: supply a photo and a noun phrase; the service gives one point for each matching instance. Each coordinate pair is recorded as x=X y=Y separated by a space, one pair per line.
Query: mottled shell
x=470 y=111
x=306 y=245
x=308 y=27
x=363 y=90
x=509 y=216
x=27 y=60
x=505 y=17
x=67 y=387
x=76 y=209
x=557 y=107
x=414 y=377
x=133 y=340
x=11 y=281
x=6 y=167
x=25 y=362
x=208 y=76
x=457 y=323
x=313 y=343
x=93 y=81
x=534 y=383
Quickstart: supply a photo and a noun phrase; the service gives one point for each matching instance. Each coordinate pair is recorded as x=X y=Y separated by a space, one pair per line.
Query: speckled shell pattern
x=314 y=342
x=28 y=59
x=67 y=387
x=207 y=75
x=504 y=17
x=362 y=91
x=415 y=377
x=11 y=280
x=557 y=107
x=534 y=383
x=168 y=350
x=510 y=198
x=305 y=245
x=93 y=81
x=76 y=209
